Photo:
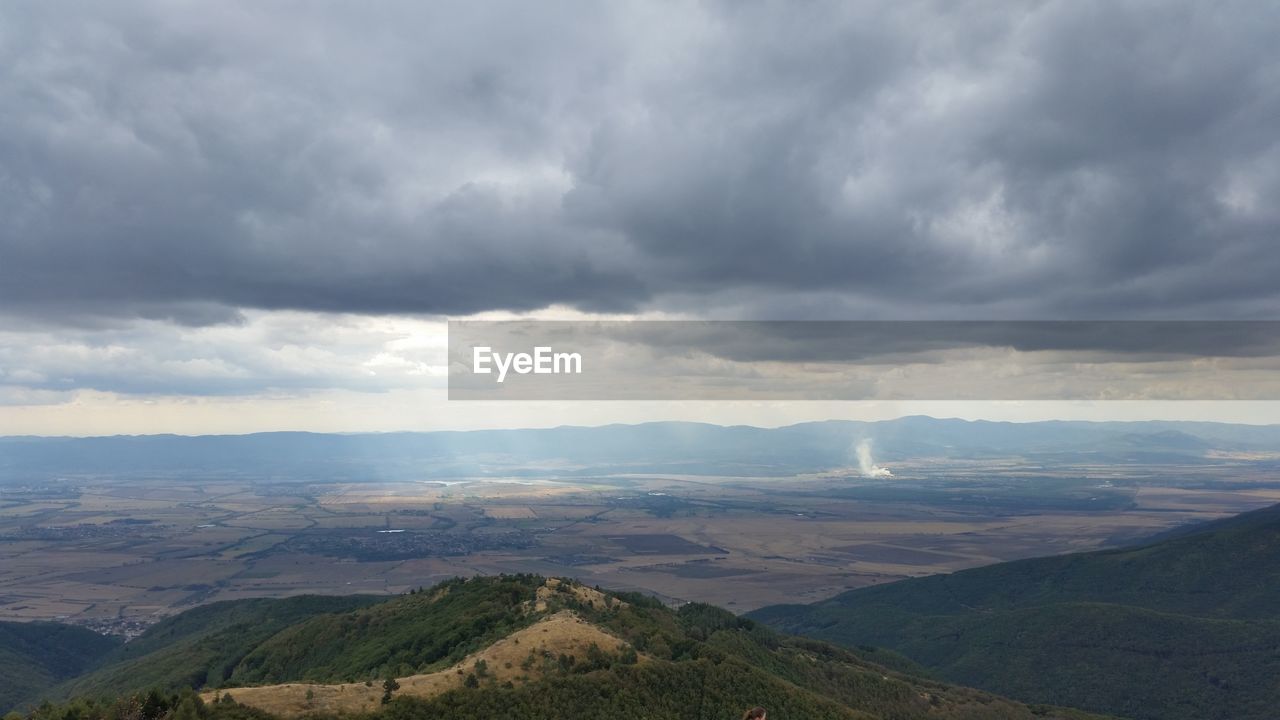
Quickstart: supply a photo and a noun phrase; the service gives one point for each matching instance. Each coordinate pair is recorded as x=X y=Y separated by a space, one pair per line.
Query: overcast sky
x=241 y=216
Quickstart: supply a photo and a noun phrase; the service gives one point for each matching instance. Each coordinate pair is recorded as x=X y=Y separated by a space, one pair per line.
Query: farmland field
x=119 y=553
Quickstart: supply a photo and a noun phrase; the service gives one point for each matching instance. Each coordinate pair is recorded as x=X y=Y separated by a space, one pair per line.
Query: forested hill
x=203 y=645
x=34 y=656
x=1184 y=627
x=511 y=646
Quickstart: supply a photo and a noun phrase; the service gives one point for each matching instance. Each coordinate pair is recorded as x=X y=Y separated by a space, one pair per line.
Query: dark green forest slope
x=37 y=655
x=1186 y=627
x=201 y=646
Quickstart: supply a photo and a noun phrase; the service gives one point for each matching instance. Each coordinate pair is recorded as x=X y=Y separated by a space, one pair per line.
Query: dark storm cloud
x=1062 y=159
x=880 y=342
x=750 y=360
x=898 y=341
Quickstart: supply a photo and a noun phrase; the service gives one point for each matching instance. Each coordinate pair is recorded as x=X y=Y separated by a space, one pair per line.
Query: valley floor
x=118 y=554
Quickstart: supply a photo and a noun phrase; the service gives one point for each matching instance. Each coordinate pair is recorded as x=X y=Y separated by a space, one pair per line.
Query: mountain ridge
x=688 y=447
x=622 y=654
x=1182 y=626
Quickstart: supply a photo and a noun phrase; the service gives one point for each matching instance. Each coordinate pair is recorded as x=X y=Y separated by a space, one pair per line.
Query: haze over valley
x=118 y=533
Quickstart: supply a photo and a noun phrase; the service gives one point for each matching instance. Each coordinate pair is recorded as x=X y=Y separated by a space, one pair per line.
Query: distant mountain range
x=675 y=447
x=498 y=647
x=1187 y=626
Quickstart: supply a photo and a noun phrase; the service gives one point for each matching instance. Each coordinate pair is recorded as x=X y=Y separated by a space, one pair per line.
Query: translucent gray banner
x=864 y=360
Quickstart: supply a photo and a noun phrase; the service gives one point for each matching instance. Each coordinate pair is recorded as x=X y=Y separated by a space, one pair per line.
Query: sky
x=235 y=216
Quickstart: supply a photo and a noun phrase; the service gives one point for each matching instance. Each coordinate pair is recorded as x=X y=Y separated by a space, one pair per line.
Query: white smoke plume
x=867 y=465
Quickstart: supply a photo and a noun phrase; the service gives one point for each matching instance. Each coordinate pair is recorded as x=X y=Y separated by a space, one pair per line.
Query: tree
x=154 y=705
x=188 y=709
x=389 y=686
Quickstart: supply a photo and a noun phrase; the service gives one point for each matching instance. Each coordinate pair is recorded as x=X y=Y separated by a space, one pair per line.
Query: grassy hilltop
x=509 y=646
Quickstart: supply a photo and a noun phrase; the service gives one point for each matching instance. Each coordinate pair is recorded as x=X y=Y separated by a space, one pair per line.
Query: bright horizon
x=229 y=419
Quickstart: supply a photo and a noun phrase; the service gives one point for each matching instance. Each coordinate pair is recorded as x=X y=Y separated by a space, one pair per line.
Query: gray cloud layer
x=886 y=159
x=684 y=360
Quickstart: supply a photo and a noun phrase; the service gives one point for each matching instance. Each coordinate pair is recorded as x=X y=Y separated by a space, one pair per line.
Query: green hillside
x=397 y=637
x=201 y=646
x=37 y=655
x=699 y=661
x=1186 y=627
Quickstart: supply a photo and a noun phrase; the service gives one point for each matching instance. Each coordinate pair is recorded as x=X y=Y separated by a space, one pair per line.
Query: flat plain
x=118 y=553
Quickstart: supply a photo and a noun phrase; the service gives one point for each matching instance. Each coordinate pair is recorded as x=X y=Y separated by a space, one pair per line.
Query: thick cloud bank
x=898 y=159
